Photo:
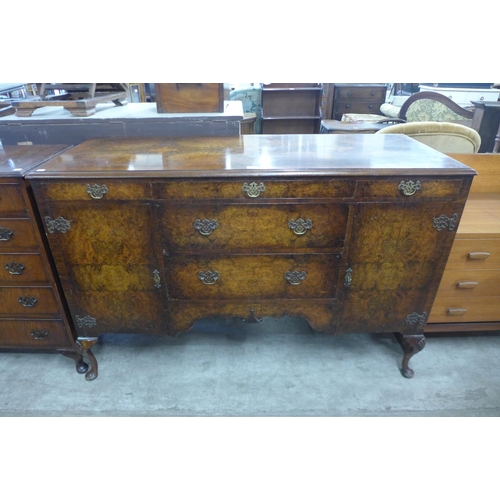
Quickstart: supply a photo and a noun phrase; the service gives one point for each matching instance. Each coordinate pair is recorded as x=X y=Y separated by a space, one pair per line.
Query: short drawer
x=22 y=268
x=368 y=107
x=474 y=254
x=470 y=283
x=256 y=189
x=95 y=189
x=361 y=92
x=260 y=277
x=11 y=199
x=249 y=226
x=16 y=234
x=42 y=334
x=410 y=188
x=28 y=301
x=470 y=309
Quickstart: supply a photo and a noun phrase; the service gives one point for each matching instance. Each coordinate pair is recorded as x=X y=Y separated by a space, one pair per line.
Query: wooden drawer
x=291 y=103
x=417 y=189
x=16 y=234
x=375 y=92
x=22 y=268
x=469 y=309
x=11 y=199
x=251 y=226
x=100 y=189
x=189 y=97
x=365 y=107
x=43 y=334
x=256 y=189
x=28 y=301
x=474 y=254
x=260 y=277
x=470 y=283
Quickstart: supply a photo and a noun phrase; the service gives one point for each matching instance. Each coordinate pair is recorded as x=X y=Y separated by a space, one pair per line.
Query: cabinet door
x=106 y=258
x=396 y=257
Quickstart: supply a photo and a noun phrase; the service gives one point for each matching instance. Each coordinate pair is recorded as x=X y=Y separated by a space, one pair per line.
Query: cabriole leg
x=411 y=344
x=81 y=366
x=83 y=346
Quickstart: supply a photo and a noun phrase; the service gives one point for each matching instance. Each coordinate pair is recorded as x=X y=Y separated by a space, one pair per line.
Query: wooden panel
x=252 y=227
x=361 y=92
x=11 y=199
x=17 y=333
x=481 y=217
x=488 y=168
x=28 y=301
x=22 y=237
x=32 y=272
x=261 y=277
x=459 y=255
x=470 y=283
x=189 y=97
x=273 y=189
x=470 y=309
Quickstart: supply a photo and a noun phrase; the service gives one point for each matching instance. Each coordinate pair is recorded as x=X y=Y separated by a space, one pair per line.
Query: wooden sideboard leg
x=81 y=366
x=411 y=344
x=83 y=346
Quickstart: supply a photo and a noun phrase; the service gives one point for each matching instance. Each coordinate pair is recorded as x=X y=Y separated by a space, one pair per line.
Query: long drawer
x=474 y=254
x=469 y=309
x=230 y=227
x=28 y=301
x=260 y=277
x=11 y=199
x=22 y=268
x=16 y=234
x=470 y=283
x=43 y=334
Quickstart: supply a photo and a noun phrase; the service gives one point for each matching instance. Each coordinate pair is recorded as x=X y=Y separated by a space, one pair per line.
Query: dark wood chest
x=364 y=98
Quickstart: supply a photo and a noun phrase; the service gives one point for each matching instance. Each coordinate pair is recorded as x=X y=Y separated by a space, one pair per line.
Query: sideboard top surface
x=15 y=161
x=251 y=155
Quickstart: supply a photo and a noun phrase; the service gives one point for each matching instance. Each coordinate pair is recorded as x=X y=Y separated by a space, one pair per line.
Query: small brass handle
x=456 y=311
x=478 y=255
x=253 y=189
x=295 y=277
x=205 y=227
x=409 y=188
x=300 y=226
x=28 y=301
x=97 y=191
x=39 y=334
x=14 y=268
x=208 y=277
x=467 y=284
x=156 y=278
x=6 y=234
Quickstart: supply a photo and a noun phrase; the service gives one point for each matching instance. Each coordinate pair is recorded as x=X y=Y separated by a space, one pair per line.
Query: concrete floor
x=276 y=368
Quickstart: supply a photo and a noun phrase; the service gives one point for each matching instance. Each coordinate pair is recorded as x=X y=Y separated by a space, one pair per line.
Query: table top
x=251 y=156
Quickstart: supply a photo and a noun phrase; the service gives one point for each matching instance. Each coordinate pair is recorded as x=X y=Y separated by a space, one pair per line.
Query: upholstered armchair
x=251 y=100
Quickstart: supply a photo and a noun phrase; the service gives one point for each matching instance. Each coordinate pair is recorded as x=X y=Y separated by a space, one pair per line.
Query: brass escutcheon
x=409 y=188
x=28 y=301
x=208 y=277
x=39 y=334
x=14 y=267
x=253 y=190
x=295 y=277
x=205 y=226
x=300 y=226
x=6 y=234
x=97 y=191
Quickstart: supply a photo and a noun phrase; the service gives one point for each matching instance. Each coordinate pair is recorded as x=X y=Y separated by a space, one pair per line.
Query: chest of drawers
x=361 y=98
x=32 y=312
x=349 y=232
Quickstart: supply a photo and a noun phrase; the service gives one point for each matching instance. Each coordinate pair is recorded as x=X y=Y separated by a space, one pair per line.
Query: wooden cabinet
x=32 y=312
x=189 y=97
x=468 y=297
x=291 y=108
x=364 y=98
x=351 y=233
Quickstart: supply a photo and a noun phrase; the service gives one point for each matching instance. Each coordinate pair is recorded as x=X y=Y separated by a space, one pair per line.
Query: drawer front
x=16 y=234
x=43 y=334
x=28 y=301
x=474 y=254
x=470 y=309
x=95 y=190
x=369 y=107
x=375 y=92
x=470 y=283
x=260 y=277
x=22 y=268
x=410 y=189
x=11 y=199
x=256 y=189
x=252 y=226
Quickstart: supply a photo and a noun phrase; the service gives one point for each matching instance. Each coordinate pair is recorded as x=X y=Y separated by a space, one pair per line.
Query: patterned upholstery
x=251 y=99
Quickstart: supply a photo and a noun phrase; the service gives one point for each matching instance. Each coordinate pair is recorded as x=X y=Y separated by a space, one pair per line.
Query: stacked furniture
x=291 y=108
x=32 y=311
x=350 y=232
x=468 y=297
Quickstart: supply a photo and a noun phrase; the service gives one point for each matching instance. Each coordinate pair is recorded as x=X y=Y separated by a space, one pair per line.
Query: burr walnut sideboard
x=32 y=311
x=350 y=232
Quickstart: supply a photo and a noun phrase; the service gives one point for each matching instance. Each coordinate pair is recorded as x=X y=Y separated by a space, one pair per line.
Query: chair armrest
x=390 y=110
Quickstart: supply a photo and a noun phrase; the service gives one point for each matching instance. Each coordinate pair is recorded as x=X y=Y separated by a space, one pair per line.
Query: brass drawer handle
x=443 y=222
x=456 y=311
x=467 y=284
x=6 y=234
x=409 y=188
x=205 y=226
x=208 y=277
x=39 y=334
x=28 y=301
x=478 y=255
x=97 y=191
x=14 y=268
x=60 y=224
x=295 y=277
x=300 y=226
x=253 y=189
